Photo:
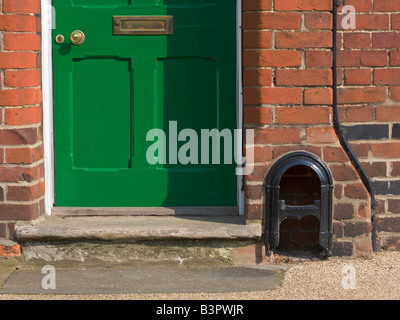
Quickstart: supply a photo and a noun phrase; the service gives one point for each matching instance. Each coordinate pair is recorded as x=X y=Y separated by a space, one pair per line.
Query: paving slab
x=125 y=280
x=7 y=267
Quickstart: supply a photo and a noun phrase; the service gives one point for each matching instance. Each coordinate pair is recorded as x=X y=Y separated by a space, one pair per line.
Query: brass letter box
x=143 y=25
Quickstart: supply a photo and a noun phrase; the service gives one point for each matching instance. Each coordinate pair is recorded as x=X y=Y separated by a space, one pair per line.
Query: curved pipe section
x=340 y=133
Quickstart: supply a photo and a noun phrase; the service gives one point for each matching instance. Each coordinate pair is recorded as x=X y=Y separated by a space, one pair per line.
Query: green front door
x=112 y=89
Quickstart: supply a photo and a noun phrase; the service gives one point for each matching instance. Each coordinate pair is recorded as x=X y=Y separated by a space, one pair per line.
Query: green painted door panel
x=112 y=90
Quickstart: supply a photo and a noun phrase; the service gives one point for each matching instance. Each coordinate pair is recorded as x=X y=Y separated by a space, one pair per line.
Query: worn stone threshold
x=146 y=211
x=134 y=228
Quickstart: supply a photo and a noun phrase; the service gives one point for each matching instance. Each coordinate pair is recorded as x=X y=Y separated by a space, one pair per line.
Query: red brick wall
x=21 y=148
x=370 y=110
x=287 y=62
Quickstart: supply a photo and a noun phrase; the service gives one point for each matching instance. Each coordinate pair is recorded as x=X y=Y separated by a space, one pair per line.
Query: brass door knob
x=77 y=37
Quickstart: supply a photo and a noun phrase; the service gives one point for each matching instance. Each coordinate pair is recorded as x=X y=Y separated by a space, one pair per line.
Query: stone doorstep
x=137 y=238
x=122 y=228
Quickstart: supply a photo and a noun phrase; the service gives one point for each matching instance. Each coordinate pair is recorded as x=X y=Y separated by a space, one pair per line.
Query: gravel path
x=377 y=278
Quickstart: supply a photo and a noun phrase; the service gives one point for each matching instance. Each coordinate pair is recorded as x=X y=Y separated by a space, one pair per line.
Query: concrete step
x=145 y=239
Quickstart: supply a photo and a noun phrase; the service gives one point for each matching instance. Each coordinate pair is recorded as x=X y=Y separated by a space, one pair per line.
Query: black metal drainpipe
x=340 y=133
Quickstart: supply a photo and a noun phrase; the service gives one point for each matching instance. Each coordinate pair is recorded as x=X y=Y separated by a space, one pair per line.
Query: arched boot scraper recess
x=276 y=210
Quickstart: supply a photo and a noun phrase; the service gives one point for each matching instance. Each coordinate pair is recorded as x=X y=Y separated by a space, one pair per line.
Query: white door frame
x=47 y=91
x=48 y=18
